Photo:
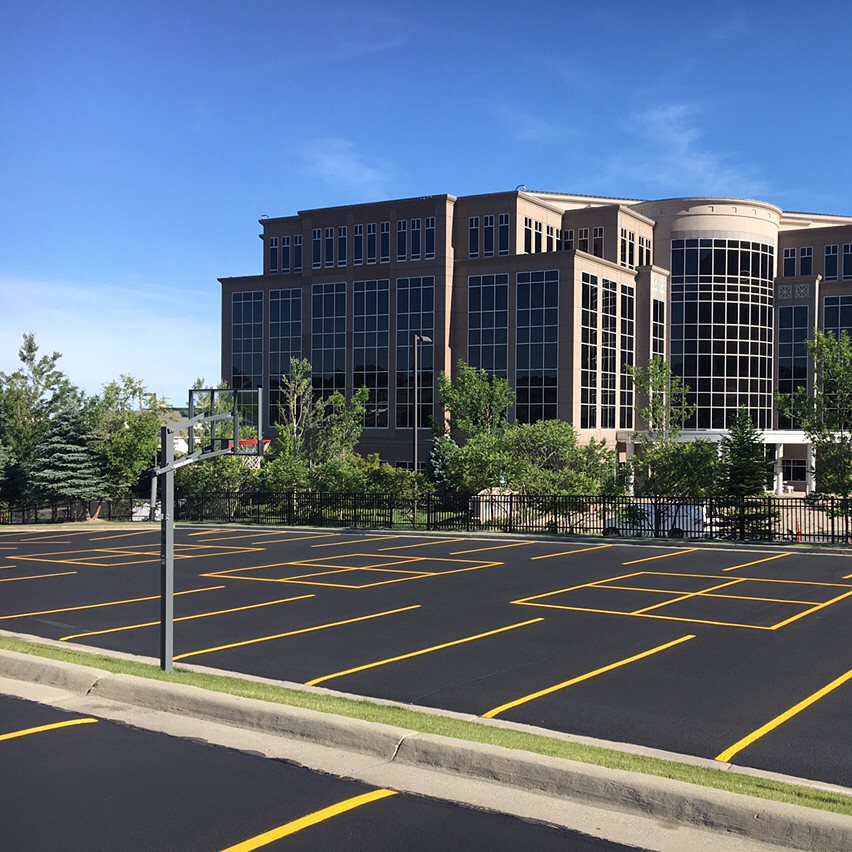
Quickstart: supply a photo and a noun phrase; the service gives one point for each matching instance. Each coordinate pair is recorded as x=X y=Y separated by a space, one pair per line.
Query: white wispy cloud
x=164 y=336
x=664 y=149
x=338 y=163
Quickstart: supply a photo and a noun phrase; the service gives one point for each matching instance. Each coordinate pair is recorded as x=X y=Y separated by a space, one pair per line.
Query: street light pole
x=418 y=339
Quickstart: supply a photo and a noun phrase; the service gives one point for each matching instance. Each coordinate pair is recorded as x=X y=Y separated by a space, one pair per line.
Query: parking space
x=721 y=653
x=74 y=782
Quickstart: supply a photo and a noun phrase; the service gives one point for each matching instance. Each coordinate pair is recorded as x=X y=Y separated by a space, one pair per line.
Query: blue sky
x=140 y=143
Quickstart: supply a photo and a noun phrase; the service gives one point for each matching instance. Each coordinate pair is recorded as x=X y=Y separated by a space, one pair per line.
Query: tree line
x=57 y=443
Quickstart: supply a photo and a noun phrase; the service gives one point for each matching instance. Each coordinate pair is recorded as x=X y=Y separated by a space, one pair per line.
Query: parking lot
x=738 y=655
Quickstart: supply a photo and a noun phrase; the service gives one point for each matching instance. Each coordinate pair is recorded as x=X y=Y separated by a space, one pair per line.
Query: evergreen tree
x=745 y=470
x=65 y=468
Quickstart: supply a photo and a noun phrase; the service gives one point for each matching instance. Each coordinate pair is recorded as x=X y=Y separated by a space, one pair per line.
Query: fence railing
x=826 y=520
x=123 y=509
x=782 y=519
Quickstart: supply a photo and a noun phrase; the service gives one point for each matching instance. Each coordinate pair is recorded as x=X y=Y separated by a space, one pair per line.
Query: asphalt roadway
x=741 y=656
x=76 y=782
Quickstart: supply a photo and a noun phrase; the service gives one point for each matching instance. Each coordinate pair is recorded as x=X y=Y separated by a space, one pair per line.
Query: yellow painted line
x=687 y=596
x=811 y=610
x=594 y=585
x=422 y=544
x=661 y=556
x=569 y=552
x=306 y=821
x=357 y=541
x=494 y=547
x=182 y=618
x=648 y=615
x=848 y=577
x=225 y=571
x=728 y=753
x=297 y=632
x=497 y=710
x=37 y=576
x=27 y=731
x=704 y=594
x=150 y=532
x=106 y=603
x=756 y=562
x=315 y=681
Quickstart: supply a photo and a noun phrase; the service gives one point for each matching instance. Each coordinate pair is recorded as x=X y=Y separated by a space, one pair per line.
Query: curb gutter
x=785 y=825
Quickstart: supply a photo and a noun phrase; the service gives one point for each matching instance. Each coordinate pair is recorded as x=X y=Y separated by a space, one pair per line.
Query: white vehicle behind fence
x=649 y=518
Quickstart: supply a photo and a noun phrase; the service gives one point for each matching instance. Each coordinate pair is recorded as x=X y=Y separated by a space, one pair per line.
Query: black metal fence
x=782 y=519
x=825 y=520
x=124 y=509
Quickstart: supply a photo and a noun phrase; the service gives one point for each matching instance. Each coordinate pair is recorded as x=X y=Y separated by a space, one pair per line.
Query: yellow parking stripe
x=37 y=576
x=107 y=603
x=182 y=618
x=421 y=544
x=756 y=561
x=497 y=710
x=27 y=731
x=687 y=596
x=493 y=547
x=661 y=556
x=296 y=632
x=311 y=819
x=315 y=681
x=569 y=552
x=357 y=541
x=726 y=755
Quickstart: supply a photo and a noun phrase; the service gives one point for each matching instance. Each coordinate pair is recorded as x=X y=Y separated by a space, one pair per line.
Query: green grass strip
x=427 y=723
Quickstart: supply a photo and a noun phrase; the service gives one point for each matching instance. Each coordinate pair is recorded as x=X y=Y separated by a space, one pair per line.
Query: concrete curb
x=789 y=826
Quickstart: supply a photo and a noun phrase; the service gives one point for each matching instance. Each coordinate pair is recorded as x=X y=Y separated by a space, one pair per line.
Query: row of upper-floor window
x=370 y=244
x=832 y=267
x=539 y=237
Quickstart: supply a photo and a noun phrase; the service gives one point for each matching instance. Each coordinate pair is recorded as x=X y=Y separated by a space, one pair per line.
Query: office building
x=554 y=292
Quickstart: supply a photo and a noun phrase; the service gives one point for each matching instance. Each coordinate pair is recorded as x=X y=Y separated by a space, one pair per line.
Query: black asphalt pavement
x=77 y=783
x=737 y=654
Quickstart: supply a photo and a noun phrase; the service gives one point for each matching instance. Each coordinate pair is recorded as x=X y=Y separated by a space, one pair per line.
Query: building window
x=583 y=239
x=589 y=353
x=645 y=251
x=609 y=352
x=527 y=235
x=247 y=348
x=831 y=259
x=342 y=248
x=401 y=240
x=794 y=470
x=415 y=239
x=628 y=248
x=837 y=315
x=568 y=243
x=503 y=235
x=285 y=254
x=329 y=246
x=627 y=356
x=537 y=345
x=789 y=262
x=285 y=343
x=549 y=244
x=328 y=338
x=317 y=248
x=358 y=245
x=371 y=243
x=429 y=238
x=273 y=254
x=537 y=244
x=658 y=328
x=473 y=236
x=806 y=260
x=488 y=236
x=792 y=354
x=415 y=314
x=598 y=242
x=721 y=328
x=847 y=261
x=371 y=347
x=384 y=242
x=488 y=323
x=297 y=253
